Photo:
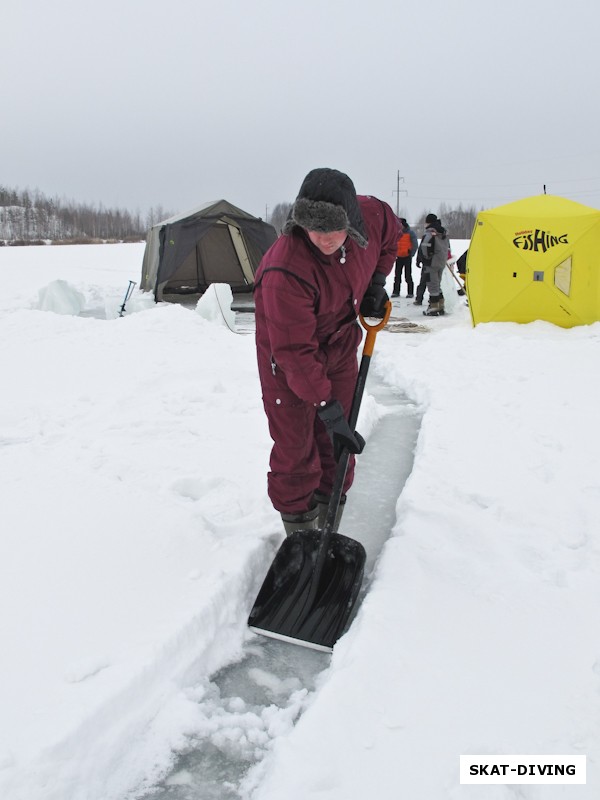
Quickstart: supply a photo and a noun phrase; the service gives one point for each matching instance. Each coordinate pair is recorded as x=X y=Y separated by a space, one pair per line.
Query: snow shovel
x=310 y=590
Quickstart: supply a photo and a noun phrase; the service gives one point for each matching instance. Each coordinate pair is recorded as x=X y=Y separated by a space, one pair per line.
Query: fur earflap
x=319 y=215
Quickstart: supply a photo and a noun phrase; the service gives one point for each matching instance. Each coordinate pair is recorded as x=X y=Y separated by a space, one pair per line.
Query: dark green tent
x=216 y=243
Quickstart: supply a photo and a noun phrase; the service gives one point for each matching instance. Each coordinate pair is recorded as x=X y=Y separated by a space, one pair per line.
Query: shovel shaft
x=342 y=464
x=455 y=278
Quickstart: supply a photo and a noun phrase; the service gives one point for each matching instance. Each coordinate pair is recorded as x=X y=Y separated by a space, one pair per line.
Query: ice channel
x=249 y=703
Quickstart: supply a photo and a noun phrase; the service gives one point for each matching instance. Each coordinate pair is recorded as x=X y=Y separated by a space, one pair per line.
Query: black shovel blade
x=296 y=604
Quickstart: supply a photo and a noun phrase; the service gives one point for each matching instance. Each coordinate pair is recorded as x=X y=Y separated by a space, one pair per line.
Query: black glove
x=336 y=425
x=375 y=298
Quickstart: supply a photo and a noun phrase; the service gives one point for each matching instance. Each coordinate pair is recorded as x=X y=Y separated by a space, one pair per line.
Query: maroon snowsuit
x=307 y=336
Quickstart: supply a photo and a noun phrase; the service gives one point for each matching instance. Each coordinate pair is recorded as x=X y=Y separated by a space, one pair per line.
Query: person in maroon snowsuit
x=332 y=260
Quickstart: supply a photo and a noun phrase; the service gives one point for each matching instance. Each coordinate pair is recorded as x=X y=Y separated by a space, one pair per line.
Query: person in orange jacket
x=407 y=247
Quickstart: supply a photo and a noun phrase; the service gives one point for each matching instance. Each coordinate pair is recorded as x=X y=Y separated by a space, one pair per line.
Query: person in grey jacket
x=435 y=246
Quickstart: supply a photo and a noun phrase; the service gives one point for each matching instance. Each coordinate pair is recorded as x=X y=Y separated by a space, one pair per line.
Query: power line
x=499 y=185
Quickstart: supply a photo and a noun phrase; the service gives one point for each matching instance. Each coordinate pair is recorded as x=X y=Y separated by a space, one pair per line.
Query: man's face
x=328 y=242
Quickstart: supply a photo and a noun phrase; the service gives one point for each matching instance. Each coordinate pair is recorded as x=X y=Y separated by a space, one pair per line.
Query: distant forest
x=30 y=217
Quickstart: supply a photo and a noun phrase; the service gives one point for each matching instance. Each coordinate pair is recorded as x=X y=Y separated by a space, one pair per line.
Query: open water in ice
x=248 y=704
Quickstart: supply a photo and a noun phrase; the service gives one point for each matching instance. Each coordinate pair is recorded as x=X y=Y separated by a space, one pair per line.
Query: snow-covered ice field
x=136 y=531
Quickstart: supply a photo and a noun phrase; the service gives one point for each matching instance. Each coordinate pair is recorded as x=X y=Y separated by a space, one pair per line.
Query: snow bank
x=61 y=298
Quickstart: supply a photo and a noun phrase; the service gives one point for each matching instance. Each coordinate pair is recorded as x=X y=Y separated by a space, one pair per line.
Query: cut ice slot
x=381 y=472
x=249 y=704
x=243 y=708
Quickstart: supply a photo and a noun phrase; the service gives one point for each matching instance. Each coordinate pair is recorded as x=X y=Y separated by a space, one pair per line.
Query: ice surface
x=247 y=705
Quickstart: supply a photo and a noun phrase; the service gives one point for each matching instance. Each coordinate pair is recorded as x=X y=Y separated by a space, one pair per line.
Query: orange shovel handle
x=372 y=330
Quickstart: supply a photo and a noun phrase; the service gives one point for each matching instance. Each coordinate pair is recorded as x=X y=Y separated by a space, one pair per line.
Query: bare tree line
x=27 y=217
x=458 y=221
x=279 y=215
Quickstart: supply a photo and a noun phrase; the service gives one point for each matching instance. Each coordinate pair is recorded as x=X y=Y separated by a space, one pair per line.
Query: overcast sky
x=139 y=103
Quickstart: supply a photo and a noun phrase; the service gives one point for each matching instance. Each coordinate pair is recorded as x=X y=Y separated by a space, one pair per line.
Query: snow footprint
x=216 y=500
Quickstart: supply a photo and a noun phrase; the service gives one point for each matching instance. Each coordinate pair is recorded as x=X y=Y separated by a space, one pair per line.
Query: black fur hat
x=327 y=202
x=431 y=219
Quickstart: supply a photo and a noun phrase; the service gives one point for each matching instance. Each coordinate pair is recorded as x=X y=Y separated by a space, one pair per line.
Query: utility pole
x=397 y=193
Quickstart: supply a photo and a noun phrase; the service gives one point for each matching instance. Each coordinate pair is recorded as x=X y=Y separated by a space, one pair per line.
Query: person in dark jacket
x=423 y=264
x=331 y=261
x=435 y=245
x=461 y=266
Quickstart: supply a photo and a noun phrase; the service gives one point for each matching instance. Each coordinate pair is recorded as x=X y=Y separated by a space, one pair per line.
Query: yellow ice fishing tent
x=537 y=258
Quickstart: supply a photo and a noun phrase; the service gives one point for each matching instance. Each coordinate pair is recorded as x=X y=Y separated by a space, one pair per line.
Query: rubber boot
x=323 y=505
x=300 y=522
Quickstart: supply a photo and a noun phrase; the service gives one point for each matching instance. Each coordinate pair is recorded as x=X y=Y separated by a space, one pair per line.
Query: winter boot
x=323 y=504
x=435 y=307
x=300 y=522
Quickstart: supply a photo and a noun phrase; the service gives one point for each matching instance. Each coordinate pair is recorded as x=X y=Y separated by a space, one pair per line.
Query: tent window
x=562 y=276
